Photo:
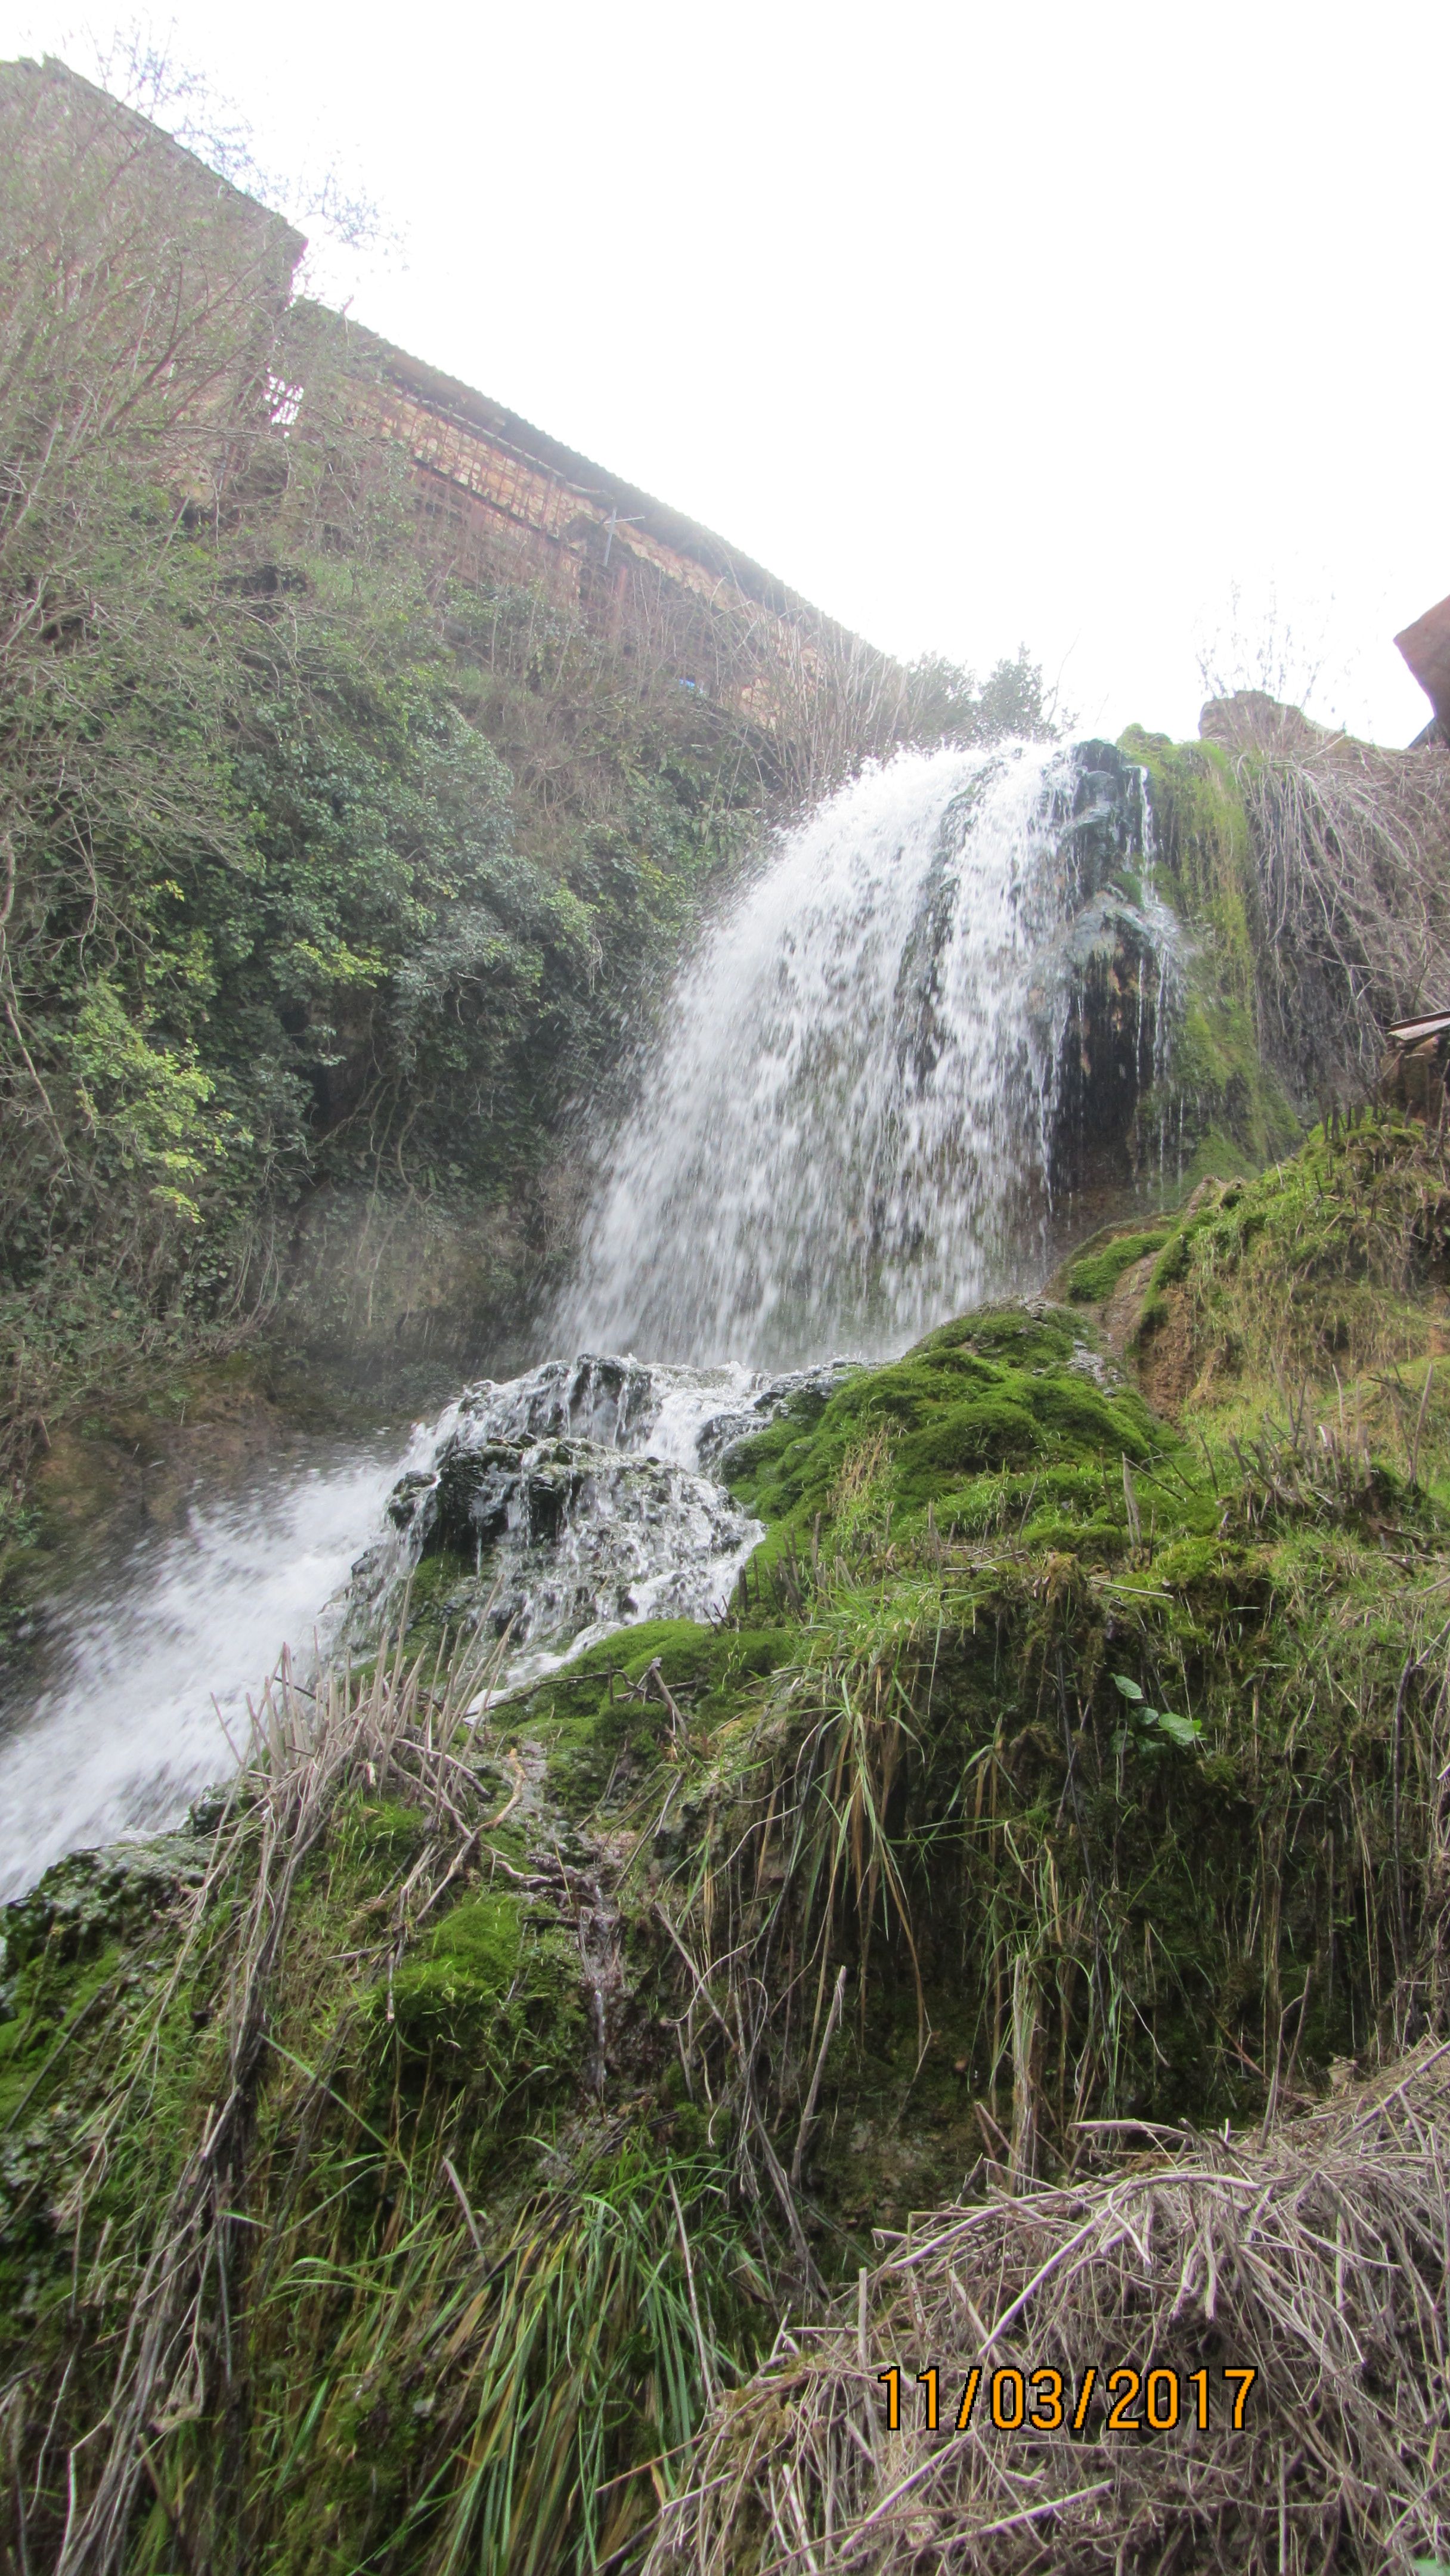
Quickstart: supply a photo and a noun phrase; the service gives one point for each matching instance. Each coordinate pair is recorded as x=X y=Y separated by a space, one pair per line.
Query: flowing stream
x=845 y=1133
x=119 y=1728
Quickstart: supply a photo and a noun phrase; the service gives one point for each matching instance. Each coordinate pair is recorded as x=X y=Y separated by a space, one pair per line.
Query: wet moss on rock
x=1000 y=1390
x=1094 y=1275
x=1219 y=1107
x=492 y=1990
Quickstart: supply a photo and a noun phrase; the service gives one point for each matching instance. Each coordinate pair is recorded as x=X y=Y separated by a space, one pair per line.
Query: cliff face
x=359 y=817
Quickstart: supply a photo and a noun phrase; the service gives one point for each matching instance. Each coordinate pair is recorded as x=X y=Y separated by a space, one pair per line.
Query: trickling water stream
x=853 y=1126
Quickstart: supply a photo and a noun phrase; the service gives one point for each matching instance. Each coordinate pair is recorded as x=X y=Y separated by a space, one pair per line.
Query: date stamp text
x=1106 y=2400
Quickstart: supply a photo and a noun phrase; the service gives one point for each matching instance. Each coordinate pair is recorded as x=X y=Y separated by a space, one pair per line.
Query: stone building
x=640 y=576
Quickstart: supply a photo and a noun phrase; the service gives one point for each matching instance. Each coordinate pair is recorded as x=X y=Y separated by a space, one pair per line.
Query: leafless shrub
x=1353 y=848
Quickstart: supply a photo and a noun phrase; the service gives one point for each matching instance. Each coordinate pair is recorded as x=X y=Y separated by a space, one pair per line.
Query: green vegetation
x=1327 y=1272
x=283 y=915
x=1219 y=1108
x=398 y=2167
x=1000 y=1390
x=1095 y=1275
x=336 y=865
x=1058 y=1760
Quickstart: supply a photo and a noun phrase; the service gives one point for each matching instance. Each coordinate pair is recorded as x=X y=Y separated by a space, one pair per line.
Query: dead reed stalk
x=1352 y=845
x=1317 y=2259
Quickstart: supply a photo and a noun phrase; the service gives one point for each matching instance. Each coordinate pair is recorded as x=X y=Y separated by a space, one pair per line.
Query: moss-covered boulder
x=1020 y=1391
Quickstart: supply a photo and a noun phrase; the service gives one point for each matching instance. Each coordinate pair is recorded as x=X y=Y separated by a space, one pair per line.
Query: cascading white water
x=844 y=1136
x=585 y=1489
x=845 y=1130
x=124 y=1731
x=584 y=1498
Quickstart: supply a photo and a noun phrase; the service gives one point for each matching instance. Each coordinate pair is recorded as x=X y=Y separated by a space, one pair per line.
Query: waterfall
x=579 y=1499
x=845 y=1133
x=124 y=1730
x=898 y=1043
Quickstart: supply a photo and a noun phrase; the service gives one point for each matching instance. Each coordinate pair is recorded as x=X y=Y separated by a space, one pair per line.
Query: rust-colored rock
x=1426 y=647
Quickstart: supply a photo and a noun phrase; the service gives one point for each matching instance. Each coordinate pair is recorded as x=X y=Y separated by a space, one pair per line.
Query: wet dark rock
x=582 y=1498
x=807 y=1390
x=1104 y=821
x=407 y=1497
x=206 y=1812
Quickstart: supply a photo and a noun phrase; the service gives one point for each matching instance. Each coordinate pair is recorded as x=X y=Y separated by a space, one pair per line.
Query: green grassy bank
x=396 y=2165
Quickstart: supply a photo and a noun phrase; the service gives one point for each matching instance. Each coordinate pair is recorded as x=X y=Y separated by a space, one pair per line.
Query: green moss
x=1321 y=1265
x=462 y=1991
x=989 y=1431
x=1217 y=1157
x=903 y=1754
x=1216 y=1084
x=599 y=1729
x=1095 y=1275
x=1204 y=852
x=994 y=1391
x=380 y=1833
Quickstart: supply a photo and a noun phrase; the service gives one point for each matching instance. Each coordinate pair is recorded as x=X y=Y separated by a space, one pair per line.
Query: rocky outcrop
x=582 y=1497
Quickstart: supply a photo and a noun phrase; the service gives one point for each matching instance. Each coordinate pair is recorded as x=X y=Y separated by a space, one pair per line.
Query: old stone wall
x=641 y=575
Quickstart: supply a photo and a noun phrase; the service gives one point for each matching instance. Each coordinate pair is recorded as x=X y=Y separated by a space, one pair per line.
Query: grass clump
x=1324 y=1282
x=1336 y=1259
x=1263 y=2255
x=344 y=2111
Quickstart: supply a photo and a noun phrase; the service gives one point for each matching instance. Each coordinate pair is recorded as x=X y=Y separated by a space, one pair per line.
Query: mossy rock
x=989 y=1394
x=1218 y=1105
x=95 y=1897
x=1092 y=1278
x=595 y=1724
x=987 y=1431
x=489 y=1987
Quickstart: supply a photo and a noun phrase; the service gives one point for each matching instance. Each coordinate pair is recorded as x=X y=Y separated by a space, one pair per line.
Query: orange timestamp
x=1042 y=2401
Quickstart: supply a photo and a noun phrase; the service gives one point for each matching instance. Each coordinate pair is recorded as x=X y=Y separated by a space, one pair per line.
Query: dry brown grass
x=1319 y=2256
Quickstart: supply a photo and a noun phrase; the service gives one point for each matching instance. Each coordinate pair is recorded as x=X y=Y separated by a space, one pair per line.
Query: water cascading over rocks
x=581 y=1498
x=932 y=1017
x=938 y=1013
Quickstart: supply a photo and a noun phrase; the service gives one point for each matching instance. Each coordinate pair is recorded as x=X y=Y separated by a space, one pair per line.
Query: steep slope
x=400 y=2164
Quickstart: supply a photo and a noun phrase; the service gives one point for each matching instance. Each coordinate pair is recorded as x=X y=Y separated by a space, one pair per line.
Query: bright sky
x=1046 y=319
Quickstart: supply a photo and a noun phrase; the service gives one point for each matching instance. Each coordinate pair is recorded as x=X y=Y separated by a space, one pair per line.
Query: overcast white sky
x=975 y=323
